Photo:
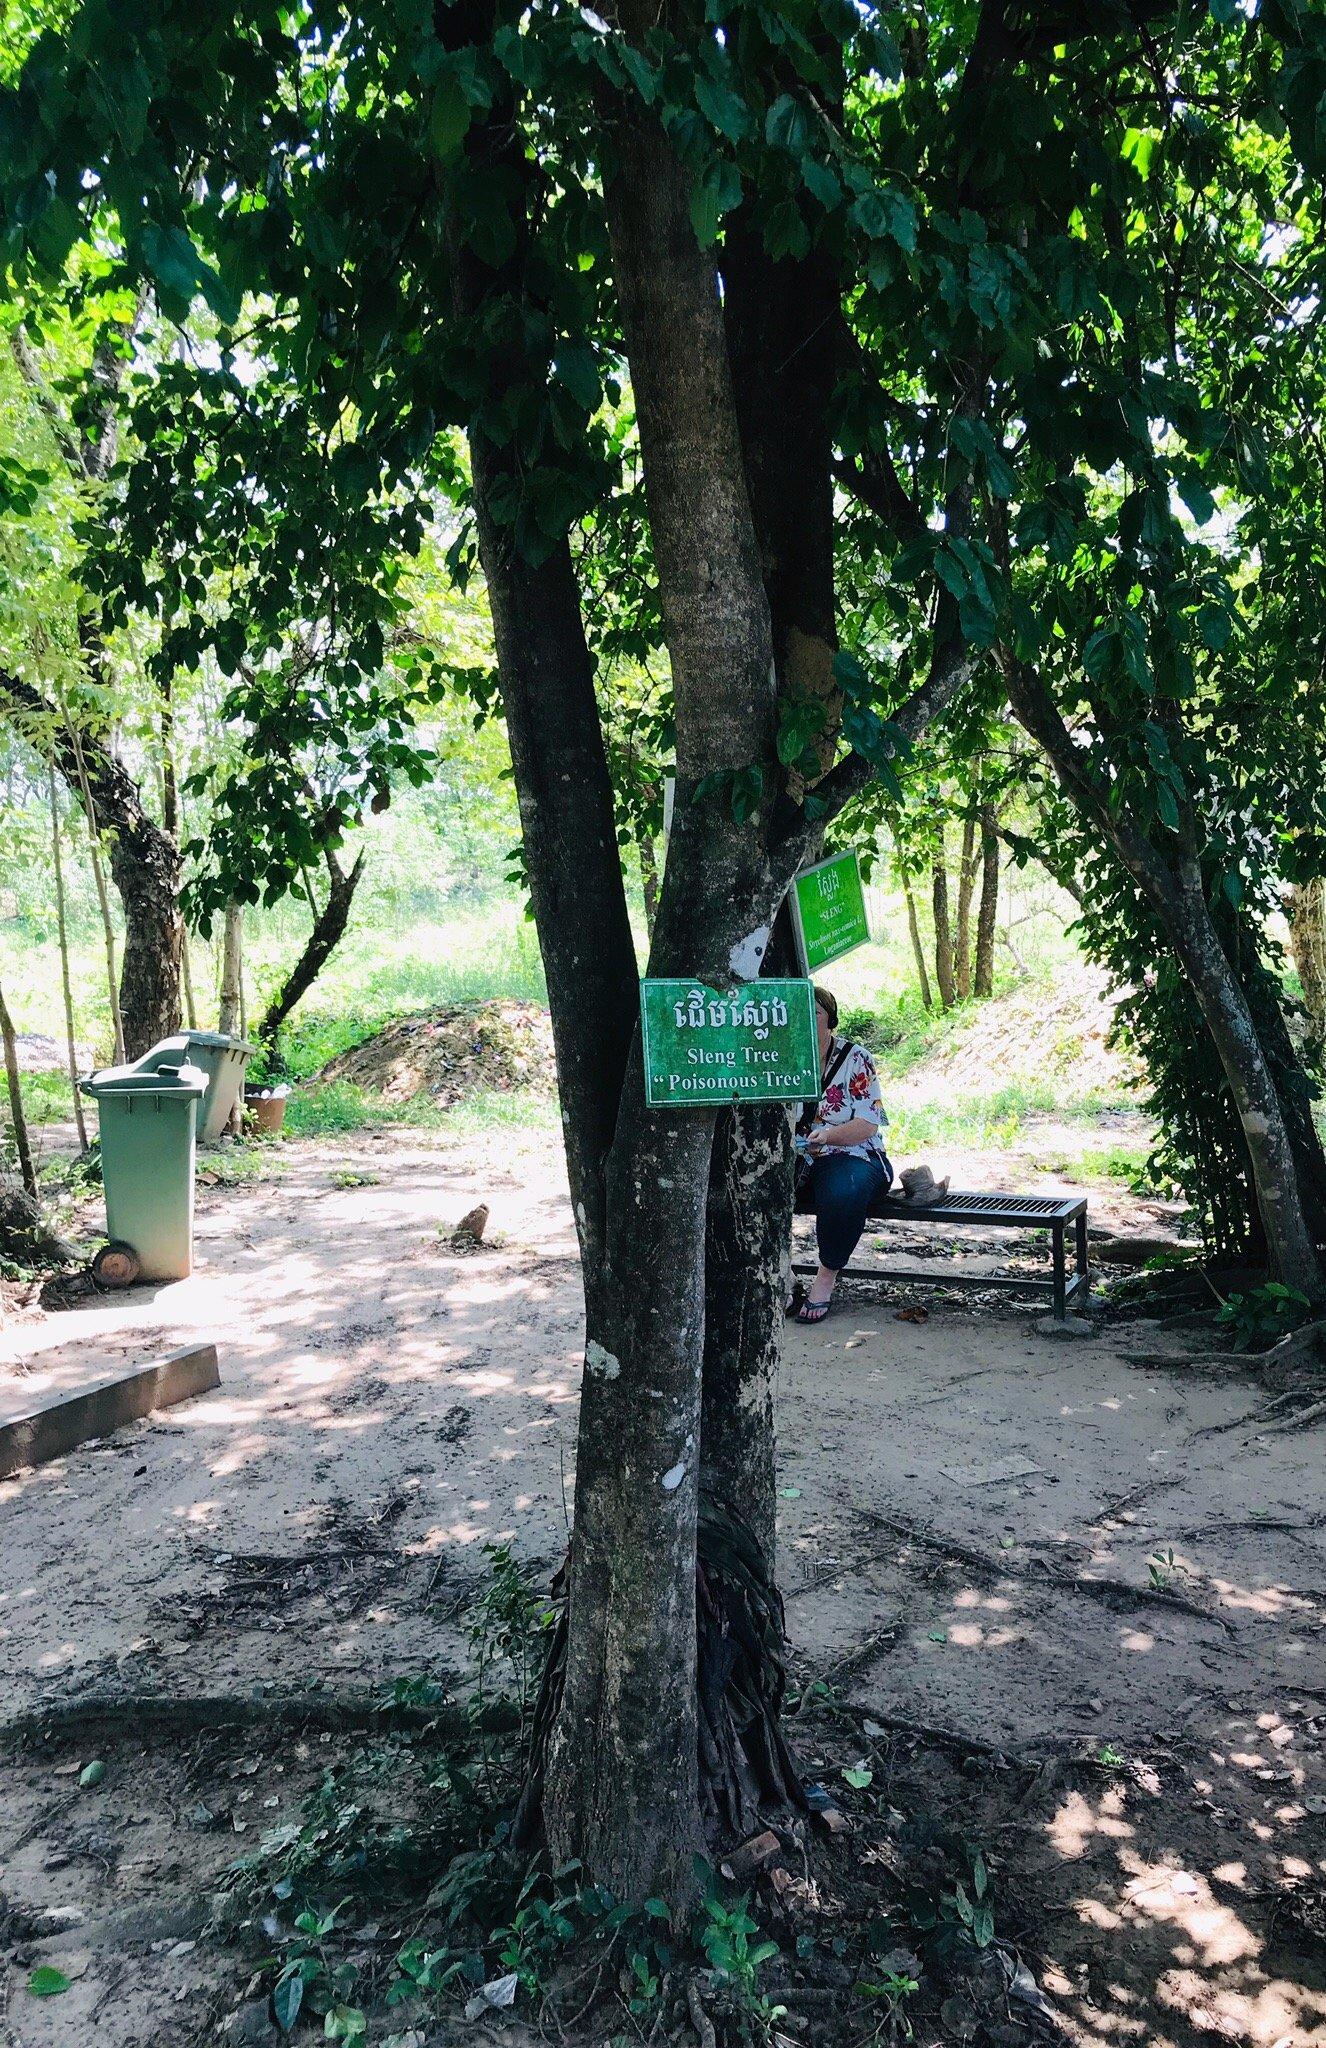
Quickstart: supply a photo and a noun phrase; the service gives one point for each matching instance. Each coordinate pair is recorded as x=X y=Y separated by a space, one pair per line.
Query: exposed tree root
x=700 y=2020
x=1288 y=1346
x=163 y=1716
x=1110 y=1592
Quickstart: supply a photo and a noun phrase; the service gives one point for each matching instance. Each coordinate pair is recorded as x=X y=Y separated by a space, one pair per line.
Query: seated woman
x=845 y=1162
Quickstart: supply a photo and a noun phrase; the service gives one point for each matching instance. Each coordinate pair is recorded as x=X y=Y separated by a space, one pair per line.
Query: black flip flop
x=812 y=1312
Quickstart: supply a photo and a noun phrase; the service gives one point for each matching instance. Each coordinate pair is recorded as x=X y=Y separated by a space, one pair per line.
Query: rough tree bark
x=144 y=863
x=781 y=322
x=622 y=1786
x=230 y=1000
x=648 y=880
x=987 y=915
x=328 y=930
x=1306 y=908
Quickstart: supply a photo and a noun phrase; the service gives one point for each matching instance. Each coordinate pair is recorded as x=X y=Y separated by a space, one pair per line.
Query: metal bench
x=996 y=1212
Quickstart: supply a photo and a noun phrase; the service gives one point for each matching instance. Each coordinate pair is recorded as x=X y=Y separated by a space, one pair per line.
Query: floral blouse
x=853 y=1092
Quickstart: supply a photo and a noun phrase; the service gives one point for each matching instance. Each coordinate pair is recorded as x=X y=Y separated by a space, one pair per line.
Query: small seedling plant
x=1258 y=1318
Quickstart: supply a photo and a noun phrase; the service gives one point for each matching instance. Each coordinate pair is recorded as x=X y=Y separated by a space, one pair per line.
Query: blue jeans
x=838 y=1192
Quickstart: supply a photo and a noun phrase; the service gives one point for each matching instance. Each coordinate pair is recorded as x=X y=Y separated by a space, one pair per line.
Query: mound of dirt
x=448 y=1054
x=1054 y=1031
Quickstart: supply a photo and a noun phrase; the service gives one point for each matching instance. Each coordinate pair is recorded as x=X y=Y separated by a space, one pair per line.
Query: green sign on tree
x=703 y=1048
x=829 y=906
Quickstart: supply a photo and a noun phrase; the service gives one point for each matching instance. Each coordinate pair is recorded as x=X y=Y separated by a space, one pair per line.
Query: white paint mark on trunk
x=601 y=1361
x=746 y=955
x=672 y=1480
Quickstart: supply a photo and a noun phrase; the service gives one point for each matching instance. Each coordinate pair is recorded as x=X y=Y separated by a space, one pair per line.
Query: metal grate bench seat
x=1053 y=1213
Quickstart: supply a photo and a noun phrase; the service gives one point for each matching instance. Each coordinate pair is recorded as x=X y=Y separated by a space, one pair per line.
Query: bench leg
x=1060 y=1278
x=1083 y=1270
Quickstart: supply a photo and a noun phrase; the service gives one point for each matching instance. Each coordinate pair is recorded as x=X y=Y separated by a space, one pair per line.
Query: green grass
x=47 y=1098
x=337 y=1108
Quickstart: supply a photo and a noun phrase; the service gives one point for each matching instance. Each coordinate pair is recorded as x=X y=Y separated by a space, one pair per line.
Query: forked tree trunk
x=328 y=930
x=22 y=1148
x=944 y=976
x=1307 y=933
x=918 y=949
x=622 y=1790
x=987 y=915
x=145 y=867
x=62 y=928
x=966 y=888
x=230 y=1002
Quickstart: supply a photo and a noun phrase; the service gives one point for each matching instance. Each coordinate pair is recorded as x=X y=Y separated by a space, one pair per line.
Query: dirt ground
x=1071 y=1602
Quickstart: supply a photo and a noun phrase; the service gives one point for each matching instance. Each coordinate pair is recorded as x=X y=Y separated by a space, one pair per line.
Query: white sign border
x=814 y=869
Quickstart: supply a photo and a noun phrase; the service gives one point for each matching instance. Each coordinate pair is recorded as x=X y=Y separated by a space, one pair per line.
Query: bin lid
x=170 y=1077
x=218 y=1040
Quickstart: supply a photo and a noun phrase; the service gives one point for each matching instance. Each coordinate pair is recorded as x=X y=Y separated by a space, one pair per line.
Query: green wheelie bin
x=147 y=1113
x=223 y=1060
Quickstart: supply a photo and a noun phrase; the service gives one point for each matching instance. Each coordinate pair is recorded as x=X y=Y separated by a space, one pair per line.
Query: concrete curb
x=35 y=1434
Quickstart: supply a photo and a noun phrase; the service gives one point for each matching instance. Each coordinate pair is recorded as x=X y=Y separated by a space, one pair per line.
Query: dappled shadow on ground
x=1070 y=1605
x=369 y=1368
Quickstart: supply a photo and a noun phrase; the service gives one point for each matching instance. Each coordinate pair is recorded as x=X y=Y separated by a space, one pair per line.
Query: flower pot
x=266 y=1113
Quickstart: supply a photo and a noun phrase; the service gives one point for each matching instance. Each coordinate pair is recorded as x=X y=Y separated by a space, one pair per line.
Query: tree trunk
x=966 y=886
x=943 y=931
x=623 y=1782
x=1307 y=934
x=1229 y=1020
x=1174 y=889
x=983 y=983
x=328 y=931
x=103 y=902
x=746 y=1286
x=231 y=1002
x=781 y=323
x=918 y=950
x=62 y=928
x=27 y=1171
x=186 y=981
x=648 y=880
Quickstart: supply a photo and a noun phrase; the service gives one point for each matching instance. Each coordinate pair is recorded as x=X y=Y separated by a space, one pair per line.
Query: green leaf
x=786 y=125
x=822 y=183
x=789 y=1493
x=47 y=1982
x=1139 y=147
x=1214 y=627
x=785 y=233
x=715 y=194
x=574 y=366
x=719 y=105
x=93 y=1773
x=886 y=214
x=938 y=1635
x=858 y=1776
x=287 y=1999
x=1195 y=495
x=450 y=115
